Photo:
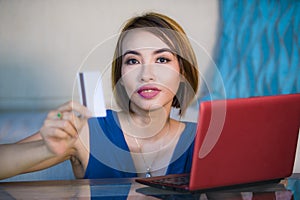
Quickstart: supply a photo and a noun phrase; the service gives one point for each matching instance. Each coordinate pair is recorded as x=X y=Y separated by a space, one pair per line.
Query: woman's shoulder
x=190 y=125
x=190 y=129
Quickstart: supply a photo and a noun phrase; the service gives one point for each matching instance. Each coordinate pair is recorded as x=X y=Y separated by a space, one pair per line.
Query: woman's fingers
x=75 y=107
x=57 y=133
x=73 y=118
x=57 y=140
x=66 y=121
x=64 y=125
x=55 y=115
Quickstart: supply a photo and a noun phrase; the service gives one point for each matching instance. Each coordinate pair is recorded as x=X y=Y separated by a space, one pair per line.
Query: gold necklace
x=149 y=167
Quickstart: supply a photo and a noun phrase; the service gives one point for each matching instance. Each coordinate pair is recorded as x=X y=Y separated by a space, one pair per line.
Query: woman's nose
x=147 y=73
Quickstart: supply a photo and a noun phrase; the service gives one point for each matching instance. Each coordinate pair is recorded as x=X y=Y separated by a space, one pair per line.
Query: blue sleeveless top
x=110 y=156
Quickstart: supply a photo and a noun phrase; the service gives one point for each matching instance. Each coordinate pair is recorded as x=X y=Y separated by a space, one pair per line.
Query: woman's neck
x=150 y=117
x=146 y=124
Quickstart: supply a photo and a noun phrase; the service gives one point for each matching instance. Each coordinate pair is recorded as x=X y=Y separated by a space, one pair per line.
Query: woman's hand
x=62 y=126
x=53 y=144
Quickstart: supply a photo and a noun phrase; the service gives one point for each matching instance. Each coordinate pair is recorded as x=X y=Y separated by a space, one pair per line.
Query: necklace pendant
x=148 y=173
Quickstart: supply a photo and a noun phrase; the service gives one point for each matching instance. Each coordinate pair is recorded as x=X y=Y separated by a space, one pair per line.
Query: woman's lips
x=148 y=92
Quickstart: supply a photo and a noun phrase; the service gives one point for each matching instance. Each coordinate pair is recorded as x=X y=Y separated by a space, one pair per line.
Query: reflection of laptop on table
x=257 y=143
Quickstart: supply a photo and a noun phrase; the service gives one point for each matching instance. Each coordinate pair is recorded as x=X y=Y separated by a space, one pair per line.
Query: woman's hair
x=171 y=33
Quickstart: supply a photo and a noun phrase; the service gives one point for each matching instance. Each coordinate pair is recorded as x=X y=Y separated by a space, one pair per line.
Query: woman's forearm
x=19 y=158
x=52 y=144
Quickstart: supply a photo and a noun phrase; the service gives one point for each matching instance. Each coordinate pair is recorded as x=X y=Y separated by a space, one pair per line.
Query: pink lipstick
x=148 y=92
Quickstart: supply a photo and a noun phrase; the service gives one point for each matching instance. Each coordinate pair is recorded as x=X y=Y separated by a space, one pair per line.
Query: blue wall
x=258 y=49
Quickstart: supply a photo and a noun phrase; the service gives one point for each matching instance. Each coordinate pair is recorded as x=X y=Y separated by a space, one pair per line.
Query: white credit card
x=91 y=92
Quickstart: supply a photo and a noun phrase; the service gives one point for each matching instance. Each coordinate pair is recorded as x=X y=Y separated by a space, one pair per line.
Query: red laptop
x=240 y=141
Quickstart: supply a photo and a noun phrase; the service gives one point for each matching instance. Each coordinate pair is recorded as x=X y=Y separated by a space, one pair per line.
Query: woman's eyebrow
x=131 y=52
x=164 y=50
x=155 y=52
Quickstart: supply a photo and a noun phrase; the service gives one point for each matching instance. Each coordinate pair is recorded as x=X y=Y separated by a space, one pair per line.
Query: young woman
x=154 y=69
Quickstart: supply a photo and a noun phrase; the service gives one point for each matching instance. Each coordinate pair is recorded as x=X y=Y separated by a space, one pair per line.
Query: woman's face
x=150 y=71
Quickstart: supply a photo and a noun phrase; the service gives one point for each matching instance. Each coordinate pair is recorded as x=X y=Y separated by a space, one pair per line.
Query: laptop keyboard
x=175 y=180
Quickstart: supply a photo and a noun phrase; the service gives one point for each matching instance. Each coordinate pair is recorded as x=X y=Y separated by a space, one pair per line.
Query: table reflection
x=129 y=189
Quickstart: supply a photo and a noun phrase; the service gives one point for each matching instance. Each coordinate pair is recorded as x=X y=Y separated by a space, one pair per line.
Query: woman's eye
x=132 y=62
x=162 y=60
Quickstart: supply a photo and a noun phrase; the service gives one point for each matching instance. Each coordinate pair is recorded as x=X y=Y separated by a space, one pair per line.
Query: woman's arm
x=28 y=155
x=24 y=157
x=54 y=143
